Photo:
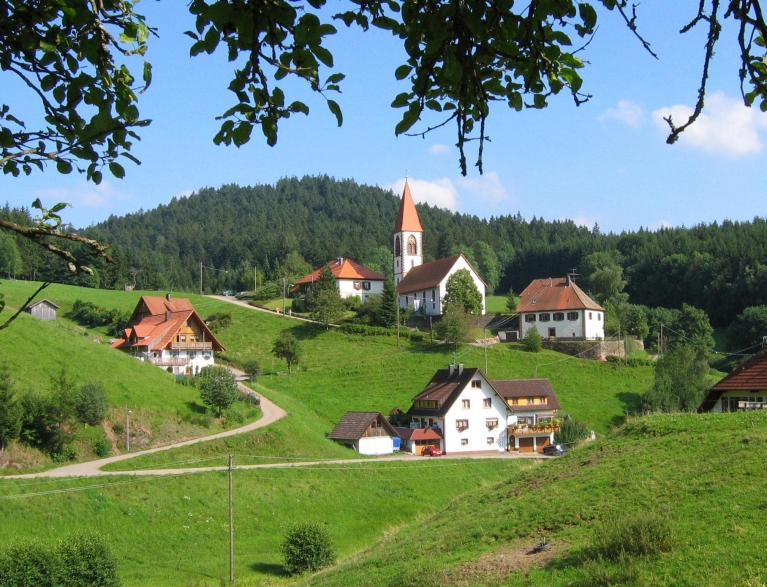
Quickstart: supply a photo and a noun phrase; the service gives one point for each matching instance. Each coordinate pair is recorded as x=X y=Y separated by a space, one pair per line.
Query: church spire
x=407 y=218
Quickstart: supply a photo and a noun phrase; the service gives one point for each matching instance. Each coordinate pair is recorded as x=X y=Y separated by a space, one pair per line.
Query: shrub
x=217 y=322
x=533 y=341
x=416 y=337
x=298 y=305
x=307 y=547
x=27 y=564
x=86 y=560
x=619 y=537
x=252 y=369
x=91 y=403
x=571 y=431
x=102 y=447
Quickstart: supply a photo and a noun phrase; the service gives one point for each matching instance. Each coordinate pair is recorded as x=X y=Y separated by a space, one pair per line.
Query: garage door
x=542 y=441
x=525 y=445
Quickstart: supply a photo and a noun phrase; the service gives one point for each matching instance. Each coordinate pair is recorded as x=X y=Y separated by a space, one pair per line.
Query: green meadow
x=173 y=531
x=699 y=477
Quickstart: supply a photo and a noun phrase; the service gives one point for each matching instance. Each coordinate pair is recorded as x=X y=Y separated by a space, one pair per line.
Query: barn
x=44 y=310
x=369 y=433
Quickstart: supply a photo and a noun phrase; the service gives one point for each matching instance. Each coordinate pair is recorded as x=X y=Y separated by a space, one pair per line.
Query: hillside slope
x=701 y=476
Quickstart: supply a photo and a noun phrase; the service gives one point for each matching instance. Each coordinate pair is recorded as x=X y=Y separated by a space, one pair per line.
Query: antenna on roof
x=571 y=276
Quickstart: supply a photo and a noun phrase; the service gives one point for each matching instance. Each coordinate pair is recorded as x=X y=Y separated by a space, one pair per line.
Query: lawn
x=173 y=531
x=496 y=305
x=698 y=476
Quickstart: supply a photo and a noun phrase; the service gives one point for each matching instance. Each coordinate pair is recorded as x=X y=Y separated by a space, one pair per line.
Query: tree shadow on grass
x=269 y=569
x=196 y=408
x=631 y=403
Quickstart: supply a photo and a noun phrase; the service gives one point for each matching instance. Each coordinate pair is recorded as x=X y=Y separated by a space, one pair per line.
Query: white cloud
x=660 y=224
x=439 y=192
x=83 y=195
x=581 y=220
x=628 y=112
x=183 y=194
x=725 y=126
x=486 y=189
x=439 y=149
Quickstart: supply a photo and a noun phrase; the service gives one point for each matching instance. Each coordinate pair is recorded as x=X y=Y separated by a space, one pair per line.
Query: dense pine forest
x=720 y=268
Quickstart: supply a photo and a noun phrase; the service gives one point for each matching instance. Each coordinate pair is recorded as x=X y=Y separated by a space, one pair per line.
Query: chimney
x=167 y=296
x=451 y=367
x=568 y=280
x=460 y=369
x=340 y=260
x=167 y=315
x=551 y=282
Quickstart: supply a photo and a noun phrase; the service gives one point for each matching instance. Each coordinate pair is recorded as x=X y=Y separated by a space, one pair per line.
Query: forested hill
x=721 y=268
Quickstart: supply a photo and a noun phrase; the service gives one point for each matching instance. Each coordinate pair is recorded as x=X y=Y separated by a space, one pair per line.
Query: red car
x=431 y=451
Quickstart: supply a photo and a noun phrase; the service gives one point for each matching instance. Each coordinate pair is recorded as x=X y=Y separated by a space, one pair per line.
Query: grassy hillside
x=698 y=476
x=173 y=531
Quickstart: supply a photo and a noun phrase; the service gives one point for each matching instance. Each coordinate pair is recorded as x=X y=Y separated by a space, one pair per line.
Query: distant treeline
x=720 y=268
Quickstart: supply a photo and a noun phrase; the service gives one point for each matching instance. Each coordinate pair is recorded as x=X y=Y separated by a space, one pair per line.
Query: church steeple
x=408 y=237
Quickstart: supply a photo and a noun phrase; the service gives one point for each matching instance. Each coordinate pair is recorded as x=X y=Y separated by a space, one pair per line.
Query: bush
x=533 y=341
x=307 y=547
x=252 y=369
x=618 y=537
x=102 y=447
x=217 y=322
x=27 y=564
x=86 y=560
x=416 y=337
x=571 y=431
x=91 y=403
x=298 y=305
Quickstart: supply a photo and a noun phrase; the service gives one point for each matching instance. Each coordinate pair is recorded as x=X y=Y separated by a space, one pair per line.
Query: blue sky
x=604 y=162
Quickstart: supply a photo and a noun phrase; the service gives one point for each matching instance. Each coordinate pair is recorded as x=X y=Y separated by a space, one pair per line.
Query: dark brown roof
x=430 y=275
x=524 y=388
x=443 y=389
x=552 y=294
x=353 y=425
x=750 y=376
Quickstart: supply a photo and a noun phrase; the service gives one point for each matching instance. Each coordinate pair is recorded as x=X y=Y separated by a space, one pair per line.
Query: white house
x=558 y=308
x=352 y=279
x=743 y=389
x=420 y=284
x=369 y=433
x=465 y=412
x=169 y=333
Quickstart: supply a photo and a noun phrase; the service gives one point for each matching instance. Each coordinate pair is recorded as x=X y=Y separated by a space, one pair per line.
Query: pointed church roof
x=407 y=217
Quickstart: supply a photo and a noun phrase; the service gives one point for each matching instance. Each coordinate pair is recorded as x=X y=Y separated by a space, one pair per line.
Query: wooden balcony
x=169 y=362
x=191 y=346
x=532 y=430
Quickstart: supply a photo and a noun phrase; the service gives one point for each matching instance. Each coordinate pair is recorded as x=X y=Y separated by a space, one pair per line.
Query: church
x=420 y=284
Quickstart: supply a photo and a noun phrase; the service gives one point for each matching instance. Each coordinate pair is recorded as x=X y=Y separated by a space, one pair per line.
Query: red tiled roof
x=407 y=217
x=552 y=294
x=430 y=275
x=353 y=425
x=524 y=388
x=159 y=304
x=750 y=376
x=346 y=269
x=419 y=434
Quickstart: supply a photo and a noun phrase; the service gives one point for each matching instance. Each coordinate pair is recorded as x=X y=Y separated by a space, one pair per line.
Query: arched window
x=412 y=245
x=397 y=249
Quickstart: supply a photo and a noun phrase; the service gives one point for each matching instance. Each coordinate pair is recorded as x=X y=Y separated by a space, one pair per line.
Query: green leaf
x=335 y=78
x=63 y=166
x=402 y=71
x=325 y=56
x=336 y=110
x=116 y=169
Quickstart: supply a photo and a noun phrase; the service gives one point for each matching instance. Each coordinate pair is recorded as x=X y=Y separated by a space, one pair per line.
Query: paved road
x=233 y=300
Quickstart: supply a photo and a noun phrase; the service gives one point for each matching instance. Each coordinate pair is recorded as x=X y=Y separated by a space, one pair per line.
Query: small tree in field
x=252 y=369
x=533 y=341
x=218 y=387
x=91 y=403
x=307 y=547
x=454 y=326
x=286 y=347
x=512 y=301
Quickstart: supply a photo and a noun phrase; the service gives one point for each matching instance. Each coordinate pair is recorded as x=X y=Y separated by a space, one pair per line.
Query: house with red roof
x=169 y=333
x=559 y=309
x=461 y=411
x=422 y=285
x=352 y=279
x=743 y=389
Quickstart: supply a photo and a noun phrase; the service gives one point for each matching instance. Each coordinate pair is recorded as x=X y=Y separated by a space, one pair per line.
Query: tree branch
x=24 y=306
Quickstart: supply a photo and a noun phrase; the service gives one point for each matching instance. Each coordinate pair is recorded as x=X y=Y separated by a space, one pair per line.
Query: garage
x=542 y=441
x=422 y=444
x=526 y=445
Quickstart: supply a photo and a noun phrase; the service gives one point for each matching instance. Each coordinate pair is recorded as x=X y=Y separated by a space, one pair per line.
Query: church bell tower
x=408 y=237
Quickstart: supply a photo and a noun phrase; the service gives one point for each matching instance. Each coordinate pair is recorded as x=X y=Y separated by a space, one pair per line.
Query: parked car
x=431 y=451
x=227 y=292
x=554 y=450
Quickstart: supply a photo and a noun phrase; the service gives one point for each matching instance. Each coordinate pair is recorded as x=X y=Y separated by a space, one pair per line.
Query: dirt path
x=244 y=304
x=271 y=413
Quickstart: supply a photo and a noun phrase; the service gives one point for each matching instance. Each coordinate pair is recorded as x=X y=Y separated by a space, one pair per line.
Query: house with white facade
x=559 y=309
x=352 y=279
x=369 y=433
x=169 y=333
x=422 y=285
x=743 y=389
x=465 y=412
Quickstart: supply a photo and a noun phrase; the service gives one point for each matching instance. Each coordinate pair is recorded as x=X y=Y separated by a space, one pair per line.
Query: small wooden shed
x=44 y=310
x=369 y=433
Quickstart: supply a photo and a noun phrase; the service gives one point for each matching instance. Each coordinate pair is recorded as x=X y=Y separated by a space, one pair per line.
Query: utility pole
x=231 y=523
x=660 y=342
x=200 y=278
x=484 y=339
x=255 y=280
x=283 y=297
x=431 y=330
x=398 y=320
x=127 y=431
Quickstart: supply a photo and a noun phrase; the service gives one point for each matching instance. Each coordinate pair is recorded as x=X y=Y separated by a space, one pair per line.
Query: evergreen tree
x=387 y=313
x=324 y=302
x=680 y=381
x=454 y=326
x=10 y=410
x=533 y=341
x=512 y=301
x=461 y=289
